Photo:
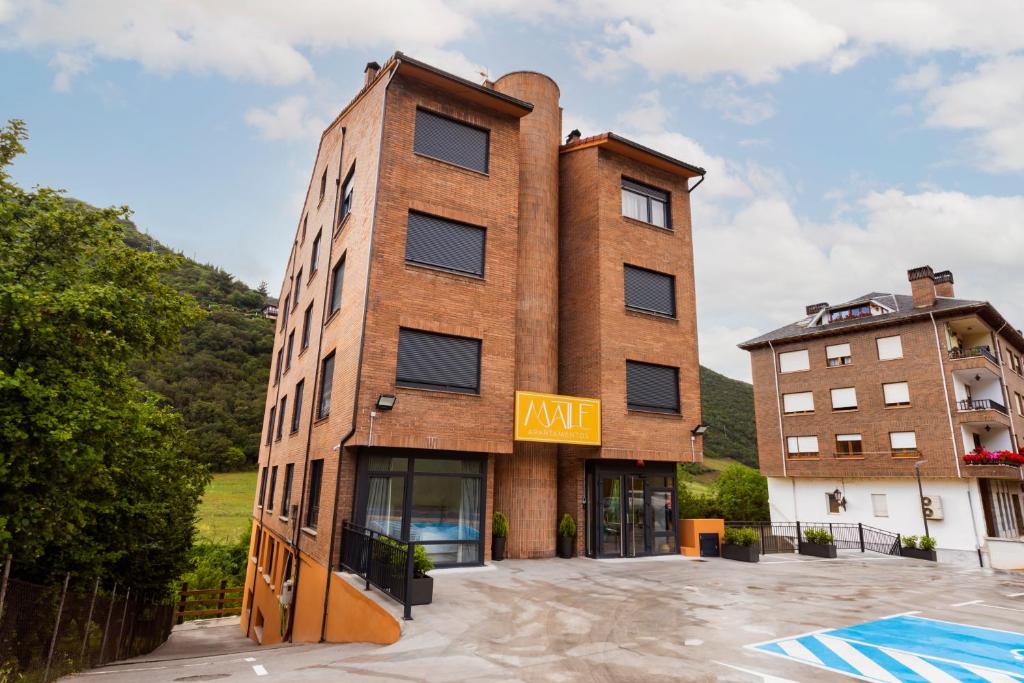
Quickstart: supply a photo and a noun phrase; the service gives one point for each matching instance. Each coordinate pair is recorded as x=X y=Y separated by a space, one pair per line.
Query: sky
x=845 y=142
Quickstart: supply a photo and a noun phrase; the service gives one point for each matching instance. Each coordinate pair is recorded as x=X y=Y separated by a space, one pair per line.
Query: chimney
x=922 y=286
x=814 y=308
x=944 y=284
x=574 y=136
x=371 y=72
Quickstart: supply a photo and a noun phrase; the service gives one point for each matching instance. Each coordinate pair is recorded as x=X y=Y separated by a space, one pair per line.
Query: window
x=853 y=312
x=880 y=504
x=316 y=476
x=337 y=282
x=832 y=504
x=297 y=408
x=849 y=446
x=323 y=405
x=280 y=362
x=442 y=243
x=838 y=354
x=903 y=443
x=273 y=485
x=896 y=394
x=281 y=416
x=284 y=311
x=844 y=399
x=1015 y=362
x=305 y=224
x=323 y=186
x=307 y=324
x=802 y=446
x=438 y=361
x=445 y=139
x=271 y=423
x=794 y=361
x=798 y=403
x=652 y=387
x=1020 y=403
x=890 y=348
x=263 y=486
x=286 y=494
x=291 y=347
x=649 y=291
x=346 y=196
x=298 y=289
x=314 y=259
x=645 y=203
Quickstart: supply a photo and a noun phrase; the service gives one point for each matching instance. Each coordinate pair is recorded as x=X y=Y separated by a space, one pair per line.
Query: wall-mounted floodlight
x=386 y=401
x=700 y=429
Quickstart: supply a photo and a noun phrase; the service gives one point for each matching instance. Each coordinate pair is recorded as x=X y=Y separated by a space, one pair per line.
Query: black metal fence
x=380 y=560
x=785 y=537
x=47 y=632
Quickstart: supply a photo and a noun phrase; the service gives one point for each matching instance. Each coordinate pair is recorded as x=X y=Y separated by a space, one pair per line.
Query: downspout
x=270 y=448
x=945 y=393
x=359 y=360
x=689 y=190
x=313 y=404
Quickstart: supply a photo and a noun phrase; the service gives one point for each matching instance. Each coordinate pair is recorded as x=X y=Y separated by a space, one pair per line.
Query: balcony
x=981 y=404
x=974 y=352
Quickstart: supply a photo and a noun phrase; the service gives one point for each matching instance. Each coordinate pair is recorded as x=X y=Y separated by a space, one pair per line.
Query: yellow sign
x=550 y=418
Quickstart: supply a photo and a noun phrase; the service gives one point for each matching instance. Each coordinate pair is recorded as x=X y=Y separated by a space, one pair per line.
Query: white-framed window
x=844 y=398
x=794 y=361
x=896 y=394
x=802 y=445
x=838 y=354
x=802 y=402
x=880 y=504
x=903 y=443
x=831 y=504
x=889 y=348
x=849 y=445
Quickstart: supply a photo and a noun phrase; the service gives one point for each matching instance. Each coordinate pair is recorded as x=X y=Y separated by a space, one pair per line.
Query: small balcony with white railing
x=970 y=344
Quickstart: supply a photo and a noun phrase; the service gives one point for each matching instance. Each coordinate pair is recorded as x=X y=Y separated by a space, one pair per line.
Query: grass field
x=227 y=504
x=702 y=482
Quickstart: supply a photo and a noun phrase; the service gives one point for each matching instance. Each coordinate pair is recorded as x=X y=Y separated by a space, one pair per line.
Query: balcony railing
x=981 y=404
x=380 y=560
x=973 y=352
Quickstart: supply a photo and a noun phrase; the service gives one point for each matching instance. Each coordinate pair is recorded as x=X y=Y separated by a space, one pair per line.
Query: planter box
x=742 y=553
x=498 y=548
x=565 y=546
x=817 y=549
x=422 y=591
x=918 y=554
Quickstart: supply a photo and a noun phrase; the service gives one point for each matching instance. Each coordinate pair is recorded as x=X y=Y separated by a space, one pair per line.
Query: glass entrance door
x=610 y=511
x=636 y=517
x=634 y=510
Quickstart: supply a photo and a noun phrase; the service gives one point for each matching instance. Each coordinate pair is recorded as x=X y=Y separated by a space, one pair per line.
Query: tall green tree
x=97 y=474
x=741 y=494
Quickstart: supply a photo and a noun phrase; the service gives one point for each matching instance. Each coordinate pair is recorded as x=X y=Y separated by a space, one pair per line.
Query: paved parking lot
x=788 y=618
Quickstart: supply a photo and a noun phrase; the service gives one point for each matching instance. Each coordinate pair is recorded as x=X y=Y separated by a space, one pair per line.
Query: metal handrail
x=973 y=352
x=981 y=404
x=786 y=537
x=381 y=560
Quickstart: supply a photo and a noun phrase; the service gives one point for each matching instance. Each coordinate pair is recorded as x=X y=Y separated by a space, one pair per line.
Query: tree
x=742 y=494
x=97 y=474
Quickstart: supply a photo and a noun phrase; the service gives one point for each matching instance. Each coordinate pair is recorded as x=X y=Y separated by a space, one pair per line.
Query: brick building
x=850 y=399
x=450 y=254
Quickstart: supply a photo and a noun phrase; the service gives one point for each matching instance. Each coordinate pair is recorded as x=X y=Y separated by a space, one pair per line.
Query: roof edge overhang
x=634 y=150
x=460 y=87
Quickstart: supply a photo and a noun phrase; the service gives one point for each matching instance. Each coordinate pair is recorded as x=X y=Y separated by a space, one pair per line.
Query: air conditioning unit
x=932 y=506
x=287 y=590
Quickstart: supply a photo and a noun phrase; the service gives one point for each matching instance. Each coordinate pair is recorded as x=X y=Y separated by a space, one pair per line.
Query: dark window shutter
x=652 y=387
x=457 y=143
x=438 y=361
x=647 y=290
x=646 y=190
x=446 y=244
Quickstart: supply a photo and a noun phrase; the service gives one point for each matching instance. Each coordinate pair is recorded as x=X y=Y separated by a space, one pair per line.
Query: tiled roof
x=903 y=304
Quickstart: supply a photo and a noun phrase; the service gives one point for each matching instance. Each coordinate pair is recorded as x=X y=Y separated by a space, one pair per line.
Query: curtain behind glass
x=469 y=517
x=384 y=506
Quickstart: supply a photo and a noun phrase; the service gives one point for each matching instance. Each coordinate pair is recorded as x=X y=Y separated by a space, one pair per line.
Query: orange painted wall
x=693 y=528
x=354 y=618
x=309 y=601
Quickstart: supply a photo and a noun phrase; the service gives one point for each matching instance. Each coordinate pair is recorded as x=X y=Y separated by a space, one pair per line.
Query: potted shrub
x=566 y=536
x=741 y=544
x=818 y=543
x=922 y=548
x=422 y=591
x=499 y=533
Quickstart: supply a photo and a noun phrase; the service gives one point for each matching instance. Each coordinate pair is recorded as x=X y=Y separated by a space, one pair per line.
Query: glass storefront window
x=384 y=505
x=447 y=466
x=385 y=463
x=445 y=508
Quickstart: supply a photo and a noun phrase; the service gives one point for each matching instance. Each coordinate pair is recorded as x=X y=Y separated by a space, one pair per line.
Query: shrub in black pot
x=566 y=536
x=742 y=545
x=922 y=548
x=499 y=533
x=422 y=590
x=818 y=543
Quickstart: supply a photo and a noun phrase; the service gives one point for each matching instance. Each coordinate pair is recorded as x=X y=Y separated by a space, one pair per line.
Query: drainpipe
x=359 y=360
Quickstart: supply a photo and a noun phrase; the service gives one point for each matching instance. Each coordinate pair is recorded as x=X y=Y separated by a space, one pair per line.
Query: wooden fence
x=198 y=602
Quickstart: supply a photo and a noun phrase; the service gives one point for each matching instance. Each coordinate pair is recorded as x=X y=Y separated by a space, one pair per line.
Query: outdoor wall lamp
x=386 y=401
x=699 y=430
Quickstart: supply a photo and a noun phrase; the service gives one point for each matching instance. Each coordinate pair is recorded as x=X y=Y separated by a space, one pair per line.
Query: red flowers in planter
x=981 y=456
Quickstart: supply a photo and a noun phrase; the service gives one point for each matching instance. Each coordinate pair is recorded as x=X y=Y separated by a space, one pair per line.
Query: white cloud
x=289 y=119
x=922 y=78
x=734 y=106
x=68 y=65
x=648 y=115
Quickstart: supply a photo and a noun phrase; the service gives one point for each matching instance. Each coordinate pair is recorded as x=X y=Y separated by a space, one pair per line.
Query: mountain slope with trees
x=728 y=407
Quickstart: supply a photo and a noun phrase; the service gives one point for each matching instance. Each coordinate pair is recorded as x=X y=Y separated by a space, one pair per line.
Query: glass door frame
x=596 y=472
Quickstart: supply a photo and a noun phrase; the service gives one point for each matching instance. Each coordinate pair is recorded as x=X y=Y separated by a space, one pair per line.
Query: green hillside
x=728 y=407
x=218 y=379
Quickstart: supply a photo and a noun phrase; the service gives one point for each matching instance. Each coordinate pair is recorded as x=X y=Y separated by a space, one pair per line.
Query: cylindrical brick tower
x=526 y=483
